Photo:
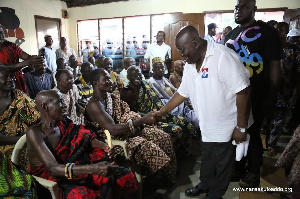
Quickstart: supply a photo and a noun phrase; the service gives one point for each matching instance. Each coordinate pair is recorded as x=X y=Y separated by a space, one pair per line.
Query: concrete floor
x=189 y=171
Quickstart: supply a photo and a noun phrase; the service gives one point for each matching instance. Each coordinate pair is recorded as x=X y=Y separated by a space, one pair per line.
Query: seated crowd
x=64 y=107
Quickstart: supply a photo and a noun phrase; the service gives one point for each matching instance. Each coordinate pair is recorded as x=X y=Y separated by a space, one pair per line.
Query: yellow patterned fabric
x=157 y=60
x=17 y=118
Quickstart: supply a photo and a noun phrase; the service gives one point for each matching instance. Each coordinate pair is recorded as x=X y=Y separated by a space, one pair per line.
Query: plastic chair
x=20 y=157
x=133 y=168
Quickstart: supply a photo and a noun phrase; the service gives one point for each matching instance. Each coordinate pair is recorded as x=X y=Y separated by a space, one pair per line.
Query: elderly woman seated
x=149 y=147
x=72 y=156
x=165 y=90
x=142 y=98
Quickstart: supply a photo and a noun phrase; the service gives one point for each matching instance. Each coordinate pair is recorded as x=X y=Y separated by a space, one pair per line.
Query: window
x=227 y=19
x=83 y=35
x=121 y=37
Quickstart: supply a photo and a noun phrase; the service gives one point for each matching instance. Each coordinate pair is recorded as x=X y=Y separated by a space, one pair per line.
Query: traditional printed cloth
x=17 y=118
x=10 y=54
x=14 y=183
x=290 y=65
x=71 y=98
x=150 y=148
x=75 y=147
x=85 y=91
x=176 y=126
x=116 y=81
x=290 y=158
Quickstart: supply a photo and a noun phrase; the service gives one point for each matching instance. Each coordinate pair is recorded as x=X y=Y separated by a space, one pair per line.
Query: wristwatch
x=242 y=130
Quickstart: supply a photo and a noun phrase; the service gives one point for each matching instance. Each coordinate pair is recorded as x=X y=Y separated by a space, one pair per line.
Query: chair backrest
x=111 y=142
x=19 y=155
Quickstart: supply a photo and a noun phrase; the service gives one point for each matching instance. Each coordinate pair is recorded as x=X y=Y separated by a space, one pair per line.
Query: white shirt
x=50 y=58
x=86 y=54
x=65 y=54
x=209 y=38
x=155 y=50
x=213 y=90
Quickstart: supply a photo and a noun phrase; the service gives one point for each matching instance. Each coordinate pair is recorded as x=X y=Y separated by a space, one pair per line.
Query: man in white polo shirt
x=217 y=84
x=159 y=49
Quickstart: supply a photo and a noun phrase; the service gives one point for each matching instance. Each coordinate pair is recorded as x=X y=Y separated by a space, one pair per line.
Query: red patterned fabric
x=75 y=146
x=10 y=54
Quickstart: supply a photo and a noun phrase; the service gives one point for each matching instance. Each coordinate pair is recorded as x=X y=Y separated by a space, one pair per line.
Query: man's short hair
x=96 y=74
x=211 y=26
x=60 y=72
x=46 y=36
x=161 y=32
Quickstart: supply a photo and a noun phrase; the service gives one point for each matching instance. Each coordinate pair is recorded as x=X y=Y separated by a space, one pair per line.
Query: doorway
x=47 y=26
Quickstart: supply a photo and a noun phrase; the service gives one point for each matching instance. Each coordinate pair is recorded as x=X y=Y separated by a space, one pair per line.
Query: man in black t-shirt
x=258 y=46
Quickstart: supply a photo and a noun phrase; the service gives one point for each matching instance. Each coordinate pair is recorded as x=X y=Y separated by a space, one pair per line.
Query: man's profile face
x=57 y=107
x=105 y=83
x=179 y=66
x=244 y=11
x=214 y=31
x=67 y=80
x=186 y=47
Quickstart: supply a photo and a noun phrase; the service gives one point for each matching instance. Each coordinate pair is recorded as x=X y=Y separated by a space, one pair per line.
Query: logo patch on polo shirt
x=204 y=72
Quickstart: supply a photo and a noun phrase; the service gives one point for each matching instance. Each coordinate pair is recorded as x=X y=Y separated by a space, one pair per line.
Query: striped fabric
x=10 y=54
x=85 y=91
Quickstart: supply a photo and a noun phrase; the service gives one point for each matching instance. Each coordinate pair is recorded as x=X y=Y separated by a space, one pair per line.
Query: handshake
x=153 y=117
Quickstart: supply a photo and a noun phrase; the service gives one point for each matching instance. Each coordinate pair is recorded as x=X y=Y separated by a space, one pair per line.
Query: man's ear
x=196 y=42
x=44 y=106
x=255 y=8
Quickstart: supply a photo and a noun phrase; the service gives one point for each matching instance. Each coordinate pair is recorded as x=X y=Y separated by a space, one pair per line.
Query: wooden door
x=175 y=23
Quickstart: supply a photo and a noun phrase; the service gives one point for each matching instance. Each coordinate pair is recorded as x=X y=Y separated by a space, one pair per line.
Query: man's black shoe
x=207 y=197
x=250 y=181
x=195 y=191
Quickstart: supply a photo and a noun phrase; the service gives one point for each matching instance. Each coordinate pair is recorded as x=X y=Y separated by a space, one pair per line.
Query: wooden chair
x=20 y=157
x=135 y=169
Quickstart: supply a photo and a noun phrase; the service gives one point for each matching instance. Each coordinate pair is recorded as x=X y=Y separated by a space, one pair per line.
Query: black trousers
x=255 y=151
x=216 y=167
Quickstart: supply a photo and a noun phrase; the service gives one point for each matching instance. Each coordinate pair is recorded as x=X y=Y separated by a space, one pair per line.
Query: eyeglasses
x=181 y=51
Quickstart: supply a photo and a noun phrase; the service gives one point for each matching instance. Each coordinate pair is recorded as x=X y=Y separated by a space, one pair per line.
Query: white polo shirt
x=213 y=90
x=155 y=50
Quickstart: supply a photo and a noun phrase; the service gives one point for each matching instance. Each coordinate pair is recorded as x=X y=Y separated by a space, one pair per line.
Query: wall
x=26 y=9
x=145 y=7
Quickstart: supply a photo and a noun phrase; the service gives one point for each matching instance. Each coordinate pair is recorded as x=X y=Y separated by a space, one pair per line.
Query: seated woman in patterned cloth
x=14 y=183
x=142 y=98
x=71 y=155
x=149 y=147
x=17 y=112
